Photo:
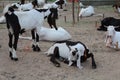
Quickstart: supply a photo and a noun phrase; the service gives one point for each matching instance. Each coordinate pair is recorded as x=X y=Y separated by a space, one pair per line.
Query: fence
x=99 y=2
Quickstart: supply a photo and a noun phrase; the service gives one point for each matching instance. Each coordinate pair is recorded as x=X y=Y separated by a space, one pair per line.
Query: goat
x=112 y=37
x=19 y=22
x=117 y=7
x=109 y=21
x=51 y=22
x=56 y=3
x=71 y=52
x=60 y=3
x=85 y=12
x=53 y=35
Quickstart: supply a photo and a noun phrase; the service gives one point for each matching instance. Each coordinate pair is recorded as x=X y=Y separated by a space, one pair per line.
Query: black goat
x=109 y=21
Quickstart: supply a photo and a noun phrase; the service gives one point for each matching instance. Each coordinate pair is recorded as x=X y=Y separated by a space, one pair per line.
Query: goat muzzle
x=109 y=41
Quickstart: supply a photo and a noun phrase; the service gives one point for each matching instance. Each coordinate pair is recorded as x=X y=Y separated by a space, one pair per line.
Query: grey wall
x=99 y=2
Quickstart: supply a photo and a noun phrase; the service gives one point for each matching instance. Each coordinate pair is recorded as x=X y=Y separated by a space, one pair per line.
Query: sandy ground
x=36 y=65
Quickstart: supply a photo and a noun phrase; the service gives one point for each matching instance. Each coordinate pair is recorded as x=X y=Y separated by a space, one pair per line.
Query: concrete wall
x=99 y=2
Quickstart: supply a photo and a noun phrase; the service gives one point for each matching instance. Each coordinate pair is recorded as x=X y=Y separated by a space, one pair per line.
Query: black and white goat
x=51 y=22
x=60 y=3
x=19 y=22
x=56 y=3
x=70 y=52
x=109 y=21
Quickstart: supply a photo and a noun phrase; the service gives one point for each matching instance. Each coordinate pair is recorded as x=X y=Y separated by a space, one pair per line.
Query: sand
x=36 y=65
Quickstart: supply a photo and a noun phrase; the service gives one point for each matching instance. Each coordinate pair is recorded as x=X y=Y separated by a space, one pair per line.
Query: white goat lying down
x=49 y=34
x=70 y=52
x=112 y=38
x=85 y=12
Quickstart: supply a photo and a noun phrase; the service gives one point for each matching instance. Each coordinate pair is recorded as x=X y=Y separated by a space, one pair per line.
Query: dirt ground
x=36 y=65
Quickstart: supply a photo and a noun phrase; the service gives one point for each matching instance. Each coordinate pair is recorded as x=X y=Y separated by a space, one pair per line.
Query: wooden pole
x=73 y=15
x=78 y=12
x=65 y=18
x=103 y=16
x=96 y=24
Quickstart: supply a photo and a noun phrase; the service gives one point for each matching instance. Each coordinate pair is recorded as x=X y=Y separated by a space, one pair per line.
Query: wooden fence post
x=65 y=18
x=73 y=11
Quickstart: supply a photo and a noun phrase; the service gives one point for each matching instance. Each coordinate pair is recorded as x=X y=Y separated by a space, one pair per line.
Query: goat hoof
x=14 y=59
x=57 y=65
x=10 y=54
x=99 y=29
x=56 y=28
x=34 y=49
x=37 y=49
x=94 y=67
x=33 y=46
